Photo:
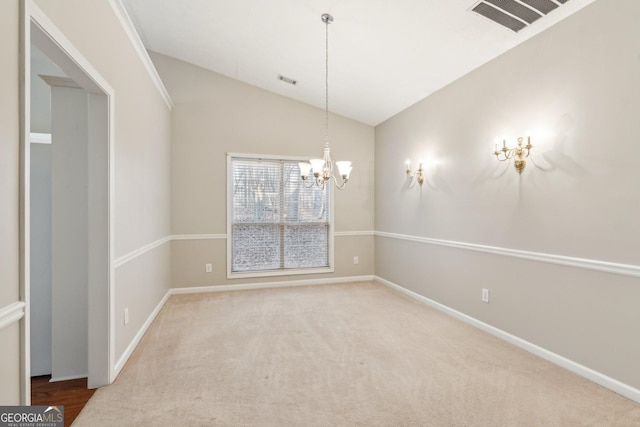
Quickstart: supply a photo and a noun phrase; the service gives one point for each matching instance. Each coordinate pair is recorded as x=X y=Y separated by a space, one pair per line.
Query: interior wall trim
x=198 y=236
x=40 y=138
x=266 y=285
x=130 y=29
x=119 y=262
x=224 y=236
x=354 y=233
x=589 y=264
x=588 y=373
x=136 y=339
x=68 y=377
x=11 y=313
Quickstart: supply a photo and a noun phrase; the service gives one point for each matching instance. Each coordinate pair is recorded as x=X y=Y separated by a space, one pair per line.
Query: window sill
x=275 y=273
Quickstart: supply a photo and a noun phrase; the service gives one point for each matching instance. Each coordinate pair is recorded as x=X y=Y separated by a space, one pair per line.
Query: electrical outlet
x=208 y=268
x=126 y=315
x=485 y=295
x=356 y=260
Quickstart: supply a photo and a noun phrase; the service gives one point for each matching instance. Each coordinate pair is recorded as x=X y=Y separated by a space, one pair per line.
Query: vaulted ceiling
x=383 y=56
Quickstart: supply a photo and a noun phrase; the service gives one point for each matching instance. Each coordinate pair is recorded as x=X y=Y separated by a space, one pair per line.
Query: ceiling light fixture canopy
x=323 y=168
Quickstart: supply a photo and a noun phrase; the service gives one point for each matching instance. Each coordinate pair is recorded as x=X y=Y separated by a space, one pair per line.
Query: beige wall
x=578 y=82
x=142 y=156
x=214 y=115
x=143 y=284
x=142 y=122
x=9 y=162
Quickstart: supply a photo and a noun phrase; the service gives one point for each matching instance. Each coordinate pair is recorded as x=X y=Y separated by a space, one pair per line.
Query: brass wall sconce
x=418 y=175
x=519 y=153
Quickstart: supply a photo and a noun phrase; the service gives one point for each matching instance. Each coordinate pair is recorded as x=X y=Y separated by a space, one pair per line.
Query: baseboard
x=68 y=377
x=266 y=285
x=588 y=373
x=136 y=340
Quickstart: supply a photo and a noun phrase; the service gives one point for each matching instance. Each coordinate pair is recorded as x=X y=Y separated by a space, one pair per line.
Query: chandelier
x=322 y=169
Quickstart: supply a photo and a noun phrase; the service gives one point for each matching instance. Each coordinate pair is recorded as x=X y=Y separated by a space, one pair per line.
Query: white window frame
x=229 y=200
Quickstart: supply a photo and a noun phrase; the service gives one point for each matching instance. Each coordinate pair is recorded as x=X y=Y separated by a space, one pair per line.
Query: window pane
x=306 y=246
x=303 y=204
x=256 y=191
x=256 y=247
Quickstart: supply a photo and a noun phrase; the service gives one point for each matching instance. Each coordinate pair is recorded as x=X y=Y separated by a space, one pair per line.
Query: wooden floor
x=72 y=394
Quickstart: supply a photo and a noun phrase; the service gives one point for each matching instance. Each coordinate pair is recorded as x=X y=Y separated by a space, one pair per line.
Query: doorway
x=81 y=227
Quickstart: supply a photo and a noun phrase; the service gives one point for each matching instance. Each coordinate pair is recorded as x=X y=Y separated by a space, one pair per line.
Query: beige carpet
x=338 y=355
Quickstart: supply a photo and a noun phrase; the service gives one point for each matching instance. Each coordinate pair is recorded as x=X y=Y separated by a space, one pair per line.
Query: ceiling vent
x=515 y=14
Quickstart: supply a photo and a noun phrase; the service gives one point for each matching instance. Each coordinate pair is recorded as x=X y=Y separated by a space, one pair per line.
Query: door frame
x=37 y=28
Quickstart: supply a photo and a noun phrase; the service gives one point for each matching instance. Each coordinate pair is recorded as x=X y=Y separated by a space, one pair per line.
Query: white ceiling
x=383 y=56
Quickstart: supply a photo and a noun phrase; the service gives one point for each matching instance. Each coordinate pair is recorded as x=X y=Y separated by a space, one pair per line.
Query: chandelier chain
x=326 y=83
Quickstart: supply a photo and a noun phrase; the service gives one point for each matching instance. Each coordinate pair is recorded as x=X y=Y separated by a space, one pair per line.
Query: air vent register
x=515 y=14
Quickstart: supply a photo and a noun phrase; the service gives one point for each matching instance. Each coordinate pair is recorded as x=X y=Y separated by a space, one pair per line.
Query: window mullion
x=281 y=216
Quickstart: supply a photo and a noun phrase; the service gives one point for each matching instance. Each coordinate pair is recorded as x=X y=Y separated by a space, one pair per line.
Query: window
x=276 y=226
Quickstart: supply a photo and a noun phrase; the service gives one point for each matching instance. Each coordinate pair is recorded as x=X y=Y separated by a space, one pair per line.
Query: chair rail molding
x=120 y=261
x=198 y=236
x=353 y=233
x=589 y=264
x=11 y=313
x=140 y=251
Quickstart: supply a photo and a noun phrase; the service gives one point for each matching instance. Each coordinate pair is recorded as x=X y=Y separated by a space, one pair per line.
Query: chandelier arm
x=509 y=154
x=311 y=184
x=339 y=186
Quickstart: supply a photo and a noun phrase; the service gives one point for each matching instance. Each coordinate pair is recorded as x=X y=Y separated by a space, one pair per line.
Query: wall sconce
x=519 y=153
x=418 y=175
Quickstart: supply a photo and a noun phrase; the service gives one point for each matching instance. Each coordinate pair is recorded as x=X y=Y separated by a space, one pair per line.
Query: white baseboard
x=68 y=377
x=588 y=373
x=136 y=340
x=266 y=285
